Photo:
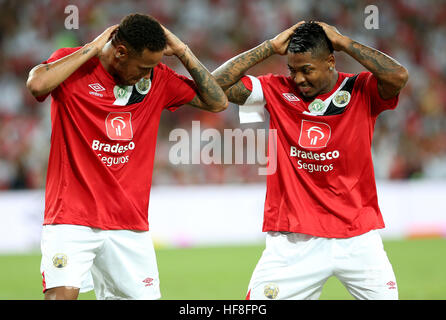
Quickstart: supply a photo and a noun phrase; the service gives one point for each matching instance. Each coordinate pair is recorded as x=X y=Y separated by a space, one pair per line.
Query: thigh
x=292 y=266
x=365 y=270
x=67 y=256
x=126 y=267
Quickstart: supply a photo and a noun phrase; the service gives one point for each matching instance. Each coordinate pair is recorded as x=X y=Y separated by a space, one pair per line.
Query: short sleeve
x=180 y=90
x=377 y=104
x=58 y=54
x=253 y=110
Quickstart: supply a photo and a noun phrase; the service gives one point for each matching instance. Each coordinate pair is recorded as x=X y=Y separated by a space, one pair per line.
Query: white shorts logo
x=271 y=290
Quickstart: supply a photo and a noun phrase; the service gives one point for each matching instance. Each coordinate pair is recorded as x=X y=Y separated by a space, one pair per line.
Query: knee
x=62 y=293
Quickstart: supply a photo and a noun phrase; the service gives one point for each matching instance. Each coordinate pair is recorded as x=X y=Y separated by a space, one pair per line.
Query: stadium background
x=409 y=147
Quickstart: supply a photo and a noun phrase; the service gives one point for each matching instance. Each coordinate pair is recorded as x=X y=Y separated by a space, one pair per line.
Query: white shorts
x=296 y=266
x=119 y=264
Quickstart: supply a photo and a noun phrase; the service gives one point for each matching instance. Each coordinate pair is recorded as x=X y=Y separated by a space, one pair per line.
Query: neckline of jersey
x=341 y=77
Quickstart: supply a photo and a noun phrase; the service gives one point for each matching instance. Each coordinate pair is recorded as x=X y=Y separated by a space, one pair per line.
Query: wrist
x=181 y=51
x=270 y=44
x=345 y=43
x=90 y=49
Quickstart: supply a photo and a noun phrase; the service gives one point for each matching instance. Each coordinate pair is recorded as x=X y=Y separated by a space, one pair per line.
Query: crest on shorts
x=341 y=99
x=60 y=260
x=271 y=290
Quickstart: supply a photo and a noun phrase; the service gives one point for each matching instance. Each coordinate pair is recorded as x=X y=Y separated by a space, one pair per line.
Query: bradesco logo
x=119 y=126
x=314 y=134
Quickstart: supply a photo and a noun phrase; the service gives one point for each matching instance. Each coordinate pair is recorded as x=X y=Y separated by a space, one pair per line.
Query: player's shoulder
x=162 y=71
x=62 y=52
x=163 y=68
x=273 y=77
x=361 y=77
x=275 y=80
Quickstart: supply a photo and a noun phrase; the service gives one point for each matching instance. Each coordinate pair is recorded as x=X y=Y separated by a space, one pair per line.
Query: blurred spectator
x=409 y=143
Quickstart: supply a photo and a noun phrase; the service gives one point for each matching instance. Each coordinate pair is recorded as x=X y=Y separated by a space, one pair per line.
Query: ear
x=331 y=62
x=121 y=52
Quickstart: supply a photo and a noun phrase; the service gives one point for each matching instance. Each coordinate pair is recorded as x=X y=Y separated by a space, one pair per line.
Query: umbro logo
x=97 y=87
x=391 y=285
x=290 y=97
x=148 y=282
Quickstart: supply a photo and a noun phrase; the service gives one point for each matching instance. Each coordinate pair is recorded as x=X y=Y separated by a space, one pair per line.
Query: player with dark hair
x=321 y=210
x=107 y=99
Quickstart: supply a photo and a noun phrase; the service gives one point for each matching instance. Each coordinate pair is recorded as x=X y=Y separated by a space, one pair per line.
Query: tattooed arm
x=391 y=75
x=210 y=96
x=228 y=75
x=44 y=78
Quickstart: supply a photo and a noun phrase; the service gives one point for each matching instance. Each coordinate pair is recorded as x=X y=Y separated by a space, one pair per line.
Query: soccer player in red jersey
x=107 y=99
x=321 y=210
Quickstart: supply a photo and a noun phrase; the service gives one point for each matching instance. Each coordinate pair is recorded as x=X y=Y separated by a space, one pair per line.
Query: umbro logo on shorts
x=148 y=282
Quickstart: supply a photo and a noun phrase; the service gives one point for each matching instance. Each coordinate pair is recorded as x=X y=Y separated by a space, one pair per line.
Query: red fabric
x=326 y=189
x=97 y=176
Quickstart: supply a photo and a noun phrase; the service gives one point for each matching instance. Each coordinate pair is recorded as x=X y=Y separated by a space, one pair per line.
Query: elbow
x=221 y=107
x=35 y=86
x=402 y=77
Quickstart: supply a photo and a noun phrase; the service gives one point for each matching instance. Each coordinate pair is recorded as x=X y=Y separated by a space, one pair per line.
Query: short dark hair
x=310 y=37
x=140 y=31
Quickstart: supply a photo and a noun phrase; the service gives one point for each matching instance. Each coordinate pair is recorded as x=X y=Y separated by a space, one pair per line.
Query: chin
x=308 y=95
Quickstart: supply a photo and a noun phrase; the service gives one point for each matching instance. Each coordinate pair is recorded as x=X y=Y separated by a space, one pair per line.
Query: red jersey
x=103 y=144
x=324 y=184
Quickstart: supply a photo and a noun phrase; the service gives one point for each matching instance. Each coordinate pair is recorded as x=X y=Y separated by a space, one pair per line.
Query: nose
x=299 y=78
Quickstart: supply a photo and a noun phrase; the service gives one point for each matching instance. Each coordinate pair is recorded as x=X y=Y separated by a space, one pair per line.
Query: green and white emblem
x=317 y=106
x=122 y=94
x=341 y=99
x=143 y=86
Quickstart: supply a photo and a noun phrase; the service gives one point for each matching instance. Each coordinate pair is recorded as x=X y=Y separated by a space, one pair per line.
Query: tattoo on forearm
x=386 y=69
x=86 y=51
x=373 y=59
x=184 y=53
x=238 y=93
x=208 y=89
x=230 y=72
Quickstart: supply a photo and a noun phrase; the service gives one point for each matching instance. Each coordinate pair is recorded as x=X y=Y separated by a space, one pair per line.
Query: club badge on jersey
x=336 y=103
x=126 y=95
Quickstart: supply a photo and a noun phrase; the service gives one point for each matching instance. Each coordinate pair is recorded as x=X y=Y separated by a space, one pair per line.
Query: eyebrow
x=308 y=65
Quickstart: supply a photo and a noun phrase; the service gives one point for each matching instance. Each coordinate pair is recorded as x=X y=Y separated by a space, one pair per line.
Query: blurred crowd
x=409 y=143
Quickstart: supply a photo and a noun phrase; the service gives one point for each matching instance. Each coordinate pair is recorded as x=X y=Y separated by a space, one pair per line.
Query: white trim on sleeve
x=253 y=110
